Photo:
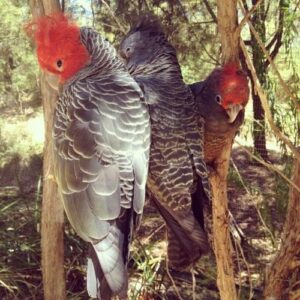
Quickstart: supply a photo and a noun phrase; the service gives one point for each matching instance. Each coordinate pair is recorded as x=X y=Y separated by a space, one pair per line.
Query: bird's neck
x=162 y=65
x=103 y=57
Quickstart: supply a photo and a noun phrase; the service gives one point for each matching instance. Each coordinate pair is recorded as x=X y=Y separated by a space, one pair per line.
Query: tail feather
x=107 y=273
x=178 y=256
x=97 y=285
x=187 y=241
x=91 y=280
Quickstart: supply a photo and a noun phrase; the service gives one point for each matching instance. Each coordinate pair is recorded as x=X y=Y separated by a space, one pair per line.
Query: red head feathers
x=233 y=86
x=233 y=90
x=59 y=48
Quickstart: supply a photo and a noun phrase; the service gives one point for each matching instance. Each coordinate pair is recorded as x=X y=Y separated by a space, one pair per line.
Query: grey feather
x=101 y=126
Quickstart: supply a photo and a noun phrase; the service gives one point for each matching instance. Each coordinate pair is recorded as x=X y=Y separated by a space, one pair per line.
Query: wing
x=101 y=139
x=101 y=144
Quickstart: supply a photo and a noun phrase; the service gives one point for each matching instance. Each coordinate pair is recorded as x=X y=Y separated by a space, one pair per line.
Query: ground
x=257 y=200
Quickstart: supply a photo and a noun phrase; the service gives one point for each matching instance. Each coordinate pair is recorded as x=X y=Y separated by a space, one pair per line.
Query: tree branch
x=269 y=58
x=210 y=10
x=122 y=29
x=277 y=39
x=266 y=106
x=247 y=16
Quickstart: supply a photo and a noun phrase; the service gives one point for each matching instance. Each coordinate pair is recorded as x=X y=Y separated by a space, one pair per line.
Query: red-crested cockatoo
x=221 y=98
x=101 y=140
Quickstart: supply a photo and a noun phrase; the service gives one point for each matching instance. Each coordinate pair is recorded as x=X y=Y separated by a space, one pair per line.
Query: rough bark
x=227 y=28
x=52 y=230
x=221 y=234
x=283 y=275
x=229 y=35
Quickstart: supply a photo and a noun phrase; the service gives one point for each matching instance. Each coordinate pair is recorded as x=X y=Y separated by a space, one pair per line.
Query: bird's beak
x=232 y=111
x=51 y=79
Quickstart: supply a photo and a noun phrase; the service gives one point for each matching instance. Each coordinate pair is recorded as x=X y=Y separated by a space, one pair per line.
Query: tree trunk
x=283 y=276
x=259 y=125
x=221 y=235
x=227 y=27
x=52 y=241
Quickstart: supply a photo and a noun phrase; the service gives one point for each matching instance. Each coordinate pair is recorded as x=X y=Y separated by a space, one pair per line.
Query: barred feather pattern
x=218 y=130
x=176 y=154
x=102 y=140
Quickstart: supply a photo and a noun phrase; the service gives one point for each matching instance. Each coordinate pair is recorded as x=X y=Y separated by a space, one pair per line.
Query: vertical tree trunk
x=227 y=27
x=283 y=276
x=221 y=236
x=52 y=242
x=259 y=125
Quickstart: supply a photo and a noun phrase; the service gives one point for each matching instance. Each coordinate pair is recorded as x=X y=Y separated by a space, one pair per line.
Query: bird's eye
x=128 y=50
x=59 y=63
x=218 y=99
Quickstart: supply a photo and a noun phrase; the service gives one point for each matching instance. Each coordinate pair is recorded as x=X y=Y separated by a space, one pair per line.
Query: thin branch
x=267 y=9
x=172 y=280
x=208 y=54
x=248 y=271
x=122 y=29
x=277 y=36
x=153 y=233
x=249 y=193
x=211 y=12
x=270 y=166
x=247 y=16
x=269 y=58
x=93 y=12
x=266 y=106
x=193 y=283
x=239 y=268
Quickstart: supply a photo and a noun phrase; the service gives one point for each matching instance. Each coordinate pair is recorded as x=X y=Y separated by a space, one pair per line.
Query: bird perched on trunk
x=221 y=98
x=177 y=180
x=101 y=145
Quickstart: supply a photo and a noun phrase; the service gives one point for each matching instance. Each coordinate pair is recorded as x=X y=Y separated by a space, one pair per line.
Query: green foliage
x=16 y=129
x=187 y=24
x=147 y=267
x=18 y=67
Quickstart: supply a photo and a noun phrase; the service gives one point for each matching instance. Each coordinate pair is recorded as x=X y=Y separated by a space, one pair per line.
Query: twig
x=239 y=267
x=155 y=231
x=247 y=16
x=248 y=270
x=270 y=166
x=211 y=12
x=266 y=106
x=265 y=51
x=193 y=283
x=93 y=13
x=171 y=278
x=114 y=17
x=255 y=205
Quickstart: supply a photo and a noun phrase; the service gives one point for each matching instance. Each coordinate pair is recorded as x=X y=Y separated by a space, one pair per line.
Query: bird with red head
x=234 y=90
x=221 y=98
x=101 y=141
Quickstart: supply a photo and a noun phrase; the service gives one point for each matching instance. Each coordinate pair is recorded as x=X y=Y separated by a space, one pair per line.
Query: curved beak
x=232 y=111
